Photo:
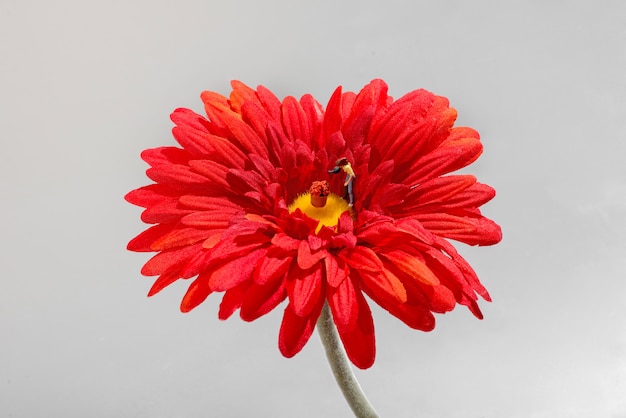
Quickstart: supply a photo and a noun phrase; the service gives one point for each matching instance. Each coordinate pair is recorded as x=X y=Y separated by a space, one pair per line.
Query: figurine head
x=342 y=162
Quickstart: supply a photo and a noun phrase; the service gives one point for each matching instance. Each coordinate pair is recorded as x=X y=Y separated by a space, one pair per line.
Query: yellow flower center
x=327 y=215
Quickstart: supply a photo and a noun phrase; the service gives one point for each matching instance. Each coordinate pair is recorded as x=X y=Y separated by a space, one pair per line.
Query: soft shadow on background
x=86 y=86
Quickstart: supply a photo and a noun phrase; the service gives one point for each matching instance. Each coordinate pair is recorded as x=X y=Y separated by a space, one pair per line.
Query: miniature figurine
x=343 y=164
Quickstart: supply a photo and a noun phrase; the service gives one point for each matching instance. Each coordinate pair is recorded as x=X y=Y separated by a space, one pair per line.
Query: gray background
x=85 y=86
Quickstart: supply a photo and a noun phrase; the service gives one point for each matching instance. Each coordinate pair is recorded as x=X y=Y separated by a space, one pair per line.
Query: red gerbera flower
x=243 y=207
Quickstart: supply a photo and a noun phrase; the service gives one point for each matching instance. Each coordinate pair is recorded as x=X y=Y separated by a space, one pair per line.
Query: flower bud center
x=320 y=204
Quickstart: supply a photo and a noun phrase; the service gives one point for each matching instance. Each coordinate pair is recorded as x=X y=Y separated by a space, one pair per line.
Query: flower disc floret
x=327 y=215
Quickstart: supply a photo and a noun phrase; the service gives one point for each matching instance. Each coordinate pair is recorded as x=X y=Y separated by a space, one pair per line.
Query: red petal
x=163 y=261
x=415 y=316
x=178 y=176
x=165 y=156
x=271 y=267
x=181 y=237
x=315 y=242
x=382 y=234
x=439 y=189
x=335 y=270
x=239 y=239
x=168 y=211
x=388 y=126
x=208 y=203
x=449 y=274
x=240 y=94
x=452 y=155
x=305 y=290
x=359 y=340
x=270 y=102
x=264 y=168
x=212 y=172
x=211 y=219
x=287 y=157
x=295 y=120
x=232 y=300
x=255 y=115
x=225 y=152
x=370 y=99
x=214 y=105
x=441 y=298
x=347 y=101
x=229 y=249
x=421 y=135
x=385 y=283
x=276 y=141
x=416 y=230
x=306 y=259
x=410 y=265
x=244 y=180
x=377 y=182
x=361 y=258
x=295 y=330
x=332 y=117
x=190 y=119
x=344 y=236
x=143 y=241
x=151 y=195
x=465 y=268
x=261 y=299
x=475 y=309
x=214 y=239
x=315 y=117
x=235 y=272
x=197 y=293
x=473 y=197
x=198 y=263
x=393 y=194
x=465 y=227
x=285 y=242
x=164 y=280
x=335 y=144
x=343 y=304
x=248 y=140
x=193 y=140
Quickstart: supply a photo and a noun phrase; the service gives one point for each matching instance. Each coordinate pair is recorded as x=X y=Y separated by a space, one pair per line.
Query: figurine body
x=343 y=164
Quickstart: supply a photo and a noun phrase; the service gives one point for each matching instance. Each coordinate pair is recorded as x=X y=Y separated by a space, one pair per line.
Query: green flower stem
x=340 y=366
